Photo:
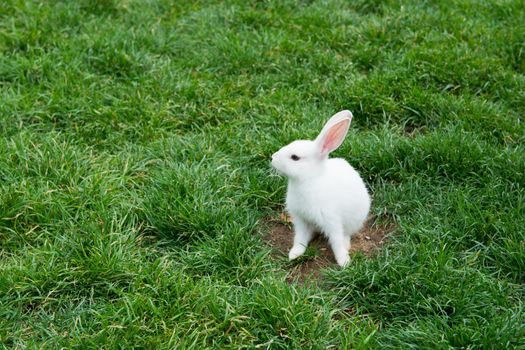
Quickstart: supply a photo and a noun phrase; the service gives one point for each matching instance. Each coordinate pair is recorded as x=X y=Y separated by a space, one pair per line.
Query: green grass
x=134 y=173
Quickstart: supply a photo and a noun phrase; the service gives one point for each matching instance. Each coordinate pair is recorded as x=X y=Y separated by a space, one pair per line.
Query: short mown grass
x=134 y=173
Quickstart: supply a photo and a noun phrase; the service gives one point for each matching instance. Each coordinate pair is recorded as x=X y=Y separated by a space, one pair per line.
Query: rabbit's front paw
x=342 y=259
x=296 y=252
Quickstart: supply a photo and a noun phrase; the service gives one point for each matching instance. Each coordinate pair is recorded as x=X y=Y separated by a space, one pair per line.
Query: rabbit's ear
x=334 y=132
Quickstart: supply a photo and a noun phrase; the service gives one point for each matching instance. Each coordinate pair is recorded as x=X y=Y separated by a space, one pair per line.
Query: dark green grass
x=134 y=171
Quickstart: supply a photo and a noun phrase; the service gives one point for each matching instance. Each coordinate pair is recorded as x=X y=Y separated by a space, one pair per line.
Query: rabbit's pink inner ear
x=335 y=136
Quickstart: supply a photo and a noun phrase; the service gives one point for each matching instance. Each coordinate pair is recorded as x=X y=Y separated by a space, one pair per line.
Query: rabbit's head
x=304 y=158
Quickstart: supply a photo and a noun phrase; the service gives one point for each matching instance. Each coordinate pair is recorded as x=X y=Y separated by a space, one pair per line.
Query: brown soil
x=278 y=234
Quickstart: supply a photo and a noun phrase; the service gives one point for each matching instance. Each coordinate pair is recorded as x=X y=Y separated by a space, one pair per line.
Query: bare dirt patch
x=278 y=234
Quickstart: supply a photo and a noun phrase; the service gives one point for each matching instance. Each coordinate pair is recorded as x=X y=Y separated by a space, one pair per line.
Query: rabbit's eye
x=295 y=157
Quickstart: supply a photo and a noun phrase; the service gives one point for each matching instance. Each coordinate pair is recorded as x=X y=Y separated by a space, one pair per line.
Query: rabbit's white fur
x=326 y=195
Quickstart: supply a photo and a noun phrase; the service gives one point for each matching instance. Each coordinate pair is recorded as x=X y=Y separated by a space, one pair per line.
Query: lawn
x=135 y=184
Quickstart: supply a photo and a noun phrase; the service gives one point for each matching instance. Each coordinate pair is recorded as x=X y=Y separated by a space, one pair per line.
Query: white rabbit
x=326 y=195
